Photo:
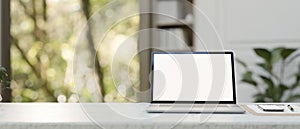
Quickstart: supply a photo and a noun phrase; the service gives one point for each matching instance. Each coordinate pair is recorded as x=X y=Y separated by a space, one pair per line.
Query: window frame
x=5 y=46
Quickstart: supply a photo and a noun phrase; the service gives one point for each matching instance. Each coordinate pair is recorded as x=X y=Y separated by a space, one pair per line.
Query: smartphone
x=271 y=108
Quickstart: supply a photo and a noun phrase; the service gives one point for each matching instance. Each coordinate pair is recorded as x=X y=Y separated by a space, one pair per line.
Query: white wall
x=245 y=24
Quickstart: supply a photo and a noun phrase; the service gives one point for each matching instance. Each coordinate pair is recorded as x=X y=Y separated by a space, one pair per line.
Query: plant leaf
x=259 y=97
x=266 y=67
x=297 y=81
x=247 y=78
x=250 y=82
x=264 y=53
x=241 y=62
x=276 y=54
x=287 y=52
x=2 y=69
x=281 y=89
x=3 y=74
x=270 y=94
x=268 y=81
x=270 y=91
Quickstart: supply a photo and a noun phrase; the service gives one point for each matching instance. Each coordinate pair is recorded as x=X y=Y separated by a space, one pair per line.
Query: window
x=51 y=62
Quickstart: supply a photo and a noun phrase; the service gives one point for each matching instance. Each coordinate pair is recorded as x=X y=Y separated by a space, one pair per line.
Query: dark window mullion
x=5 y=45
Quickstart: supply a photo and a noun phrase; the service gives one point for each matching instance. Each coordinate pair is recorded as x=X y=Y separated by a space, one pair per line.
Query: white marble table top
x=127 y=115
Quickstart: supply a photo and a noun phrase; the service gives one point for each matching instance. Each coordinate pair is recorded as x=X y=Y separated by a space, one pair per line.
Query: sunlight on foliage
x=44 y=34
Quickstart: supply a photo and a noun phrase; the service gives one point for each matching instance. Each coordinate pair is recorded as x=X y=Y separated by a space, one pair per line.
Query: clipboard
x=270 y=108
x=255 y=110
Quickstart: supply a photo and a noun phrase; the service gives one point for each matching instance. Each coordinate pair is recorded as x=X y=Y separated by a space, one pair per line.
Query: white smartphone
x=271 y=108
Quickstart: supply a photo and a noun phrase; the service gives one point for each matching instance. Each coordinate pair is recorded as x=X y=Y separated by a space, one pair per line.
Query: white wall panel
x=247 y=24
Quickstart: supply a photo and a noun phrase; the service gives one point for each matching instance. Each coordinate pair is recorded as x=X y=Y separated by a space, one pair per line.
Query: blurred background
x=43 y=47
x=44 y=35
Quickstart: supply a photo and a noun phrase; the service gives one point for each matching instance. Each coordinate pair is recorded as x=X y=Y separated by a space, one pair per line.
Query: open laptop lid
x=193 y=77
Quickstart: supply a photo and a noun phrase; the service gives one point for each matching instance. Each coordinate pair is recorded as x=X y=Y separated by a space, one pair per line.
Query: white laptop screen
x=192 y=77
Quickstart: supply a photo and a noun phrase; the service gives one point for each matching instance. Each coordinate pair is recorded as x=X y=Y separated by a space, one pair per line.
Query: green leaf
x=266 y=67
x=250 y=82
x=3 y=71
x=292 y=98
x=241 y=62
x=264 y=53
x=268 y=81
x=281 y=89
x=247 y=78
x=276 y=54
x=3 y=74
x=297 y=81
x=287 y=52
x=259 y=97
x=270 y=91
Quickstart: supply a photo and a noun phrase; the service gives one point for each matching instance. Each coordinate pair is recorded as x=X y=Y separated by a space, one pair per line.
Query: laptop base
x=196 y=108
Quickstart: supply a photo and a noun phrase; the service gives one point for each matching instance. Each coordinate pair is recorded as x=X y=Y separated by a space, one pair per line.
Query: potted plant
x=4 y=80
x=272 y=85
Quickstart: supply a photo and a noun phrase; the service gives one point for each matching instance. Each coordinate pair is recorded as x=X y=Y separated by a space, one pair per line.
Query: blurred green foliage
x=275 y=86
x=4 y=80
x=43 y=36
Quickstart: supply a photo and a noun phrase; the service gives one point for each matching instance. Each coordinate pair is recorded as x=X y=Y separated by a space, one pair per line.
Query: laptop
x=193 y=82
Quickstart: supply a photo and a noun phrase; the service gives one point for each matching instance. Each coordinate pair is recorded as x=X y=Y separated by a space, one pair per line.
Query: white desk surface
x=127 y=116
